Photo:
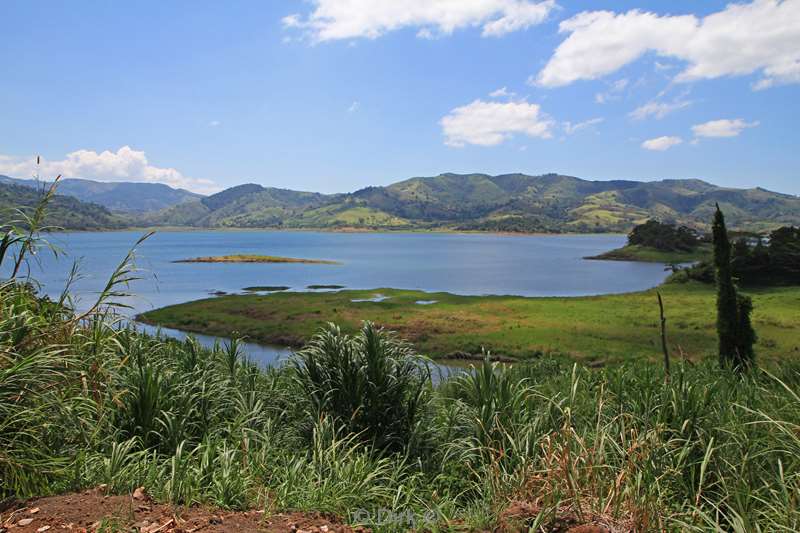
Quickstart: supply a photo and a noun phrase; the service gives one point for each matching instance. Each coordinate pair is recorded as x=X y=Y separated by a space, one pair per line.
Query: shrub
x=370 y=383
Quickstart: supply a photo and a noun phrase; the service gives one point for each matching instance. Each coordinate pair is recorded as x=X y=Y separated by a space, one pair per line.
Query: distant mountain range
x=511 y=202
x=63 y=212
x=480 y=202
x=125 y=197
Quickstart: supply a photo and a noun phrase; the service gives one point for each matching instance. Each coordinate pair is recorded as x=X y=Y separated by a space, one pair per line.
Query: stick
x=664 y=336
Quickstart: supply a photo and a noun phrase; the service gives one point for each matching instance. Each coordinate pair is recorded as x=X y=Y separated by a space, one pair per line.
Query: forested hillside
x=63 y=212
x=511 y=202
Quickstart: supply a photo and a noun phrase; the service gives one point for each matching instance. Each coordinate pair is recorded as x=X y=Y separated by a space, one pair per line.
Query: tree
x=734 y=328
x=727 y=319
x=664 y=236
x=745 y=334
x=784 y=253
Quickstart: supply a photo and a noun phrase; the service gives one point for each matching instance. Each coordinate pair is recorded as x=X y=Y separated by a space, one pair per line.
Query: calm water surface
x=470 y=264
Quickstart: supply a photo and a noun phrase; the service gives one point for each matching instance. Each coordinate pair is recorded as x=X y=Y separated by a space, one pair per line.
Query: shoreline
x=189 y=229
x=602 y=329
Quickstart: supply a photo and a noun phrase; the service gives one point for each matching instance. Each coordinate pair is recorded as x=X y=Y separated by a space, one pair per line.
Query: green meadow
x=602 y=329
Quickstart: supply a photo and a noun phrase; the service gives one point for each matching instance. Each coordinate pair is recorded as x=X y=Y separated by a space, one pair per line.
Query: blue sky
x=332 y=96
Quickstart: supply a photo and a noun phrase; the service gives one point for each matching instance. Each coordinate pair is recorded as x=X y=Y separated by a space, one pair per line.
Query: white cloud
x=126 y=164
x=761 y=36
x=660 y=144
x=571 y=128
x=722 y=128
x=613 y=92
x=350 y=19
x=354 y=107
x=657 y=109
x=491 y=123
x=502 y=93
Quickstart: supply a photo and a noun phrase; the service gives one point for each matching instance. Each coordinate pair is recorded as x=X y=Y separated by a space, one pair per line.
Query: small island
x=266 y=288
x=657 y=242
x=253 y=258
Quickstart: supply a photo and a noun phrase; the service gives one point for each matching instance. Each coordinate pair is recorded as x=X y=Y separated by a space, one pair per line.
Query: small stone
x=43 y=528
x=139 y=494
x=324 y=529
x=25 y=521
x=34 y=510
x=215 y=520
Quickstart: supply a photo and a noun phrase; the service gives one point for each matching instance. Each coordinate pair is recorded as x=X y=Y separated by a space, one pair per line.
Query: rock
x=43 y=528
x=324 y=529
x=139 y=494
x=34 y=510
x=25 y=521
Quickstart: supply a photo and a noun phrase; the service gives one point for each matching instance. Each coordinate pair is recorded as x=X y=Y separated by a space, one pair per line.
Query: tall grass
x=354 y=426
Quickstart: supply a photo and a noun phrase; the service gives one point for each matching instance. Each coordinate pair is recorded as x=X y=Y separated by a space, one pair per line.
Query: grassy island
x=610 y=328
x=253 y=258
x=649 y=254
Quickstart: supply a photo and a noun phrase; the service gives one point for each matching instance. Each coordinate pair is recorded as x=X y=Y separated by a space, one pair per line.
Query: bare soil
x=93 y=510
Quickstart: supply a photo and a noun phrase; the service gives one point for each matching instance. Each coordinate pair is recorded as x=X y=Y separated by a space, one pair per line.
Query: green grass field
x=608 y=329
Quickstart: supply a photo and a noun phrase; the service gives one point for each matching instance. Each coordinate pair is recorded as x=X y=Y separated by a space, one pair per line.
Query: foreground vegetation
x=354 y=426
x=608 y=329
x=354 y=423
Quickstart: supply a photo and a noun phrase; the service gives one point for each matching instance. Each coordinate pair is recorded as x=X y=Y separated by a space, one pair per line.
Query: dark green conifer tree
x=727 y=306
x=745 y=334
x=734 y=327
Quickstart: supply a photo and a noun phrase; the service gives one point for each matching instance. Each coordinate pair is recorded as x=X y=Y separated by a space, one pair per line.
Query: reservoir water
x=470 y=264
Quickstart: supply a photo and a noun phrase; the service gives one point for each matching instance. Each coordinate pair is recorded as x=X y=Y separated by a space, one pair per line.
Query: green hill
x=510 y=202
x=63 y=211
x=462 y=202
x=126 y=197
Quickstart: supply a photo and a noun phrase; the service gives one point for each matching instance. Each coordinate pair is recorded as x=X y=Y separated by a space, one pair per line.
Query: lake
x=470 y=264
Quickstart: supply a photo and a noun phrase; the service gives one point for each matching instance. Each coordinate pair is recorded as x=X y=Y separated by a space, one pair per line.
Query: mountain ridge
x=120 y=196
x=514 y=202
x=482 y=202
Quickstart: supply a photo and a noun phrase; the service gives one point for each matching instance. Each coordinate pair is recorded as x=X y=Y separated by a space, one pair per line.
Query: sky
x=335 y=95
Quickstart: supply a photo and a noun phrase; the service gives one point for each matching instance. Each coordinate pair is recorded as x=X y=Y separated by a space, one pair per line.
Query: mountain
x=480 y=202
x=467 y=202
x=243 y=206
x=125 y=197
x=63 y=211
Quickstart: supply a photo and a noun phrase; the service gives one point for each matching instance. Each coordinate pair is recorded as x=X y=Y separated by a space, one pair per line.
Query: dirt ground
x=92 y=510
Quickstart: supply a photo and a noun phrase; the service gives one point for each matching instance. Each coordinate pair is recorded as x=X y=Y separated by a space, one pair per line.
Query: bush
x=370 y=383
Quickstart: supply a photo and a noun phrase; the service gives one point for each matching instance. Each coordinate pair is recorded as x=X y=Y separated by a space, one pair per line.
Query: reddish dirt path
x=85 y=512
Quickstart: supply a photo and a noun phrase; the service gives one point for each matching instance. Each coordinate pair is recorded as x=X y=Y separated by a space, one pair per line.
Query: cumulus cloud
x=660 y=144
x=126 y=164
x=658 y=109
x=490 y=123
x=722 y=128
x=334 y=19
x=570 y=128
x=761 y=36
